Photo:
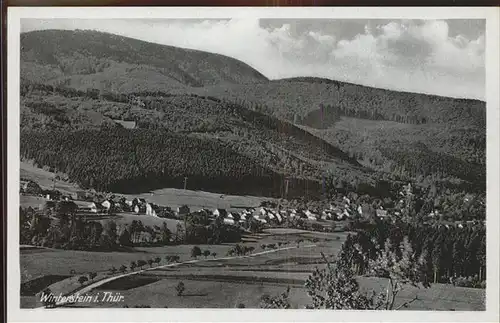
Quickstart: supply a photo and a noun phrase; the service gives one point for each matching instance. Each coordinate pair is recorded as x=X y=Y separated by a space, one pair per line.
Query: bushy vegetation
x=448 y=252
x=61 y=227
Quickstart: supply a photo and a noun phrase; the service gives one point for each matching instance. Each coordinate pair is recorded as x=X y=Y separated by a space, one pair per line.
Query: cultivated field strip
x=92 y=286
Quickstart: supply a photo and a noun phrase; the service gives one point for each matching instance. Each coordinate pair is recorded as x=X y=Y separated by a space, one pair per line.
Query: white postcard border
x=15 y=314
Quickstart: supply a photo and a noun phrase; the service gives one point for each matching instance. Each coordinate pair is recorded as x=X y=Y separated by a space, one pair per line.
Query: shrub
x=92 y=275
x=141 y=263
x=82 y=280
x=206 y=253
x=180 y=288
x=195 y=252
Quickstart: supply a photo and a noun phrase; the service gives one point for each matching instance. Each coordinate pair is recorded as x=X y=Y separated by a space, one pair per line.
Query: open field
x=127 y=218
x=174 y=198
x=38 y=262
x=45 y=178
x=31 y=201
x=226 y=282
x=171 y=197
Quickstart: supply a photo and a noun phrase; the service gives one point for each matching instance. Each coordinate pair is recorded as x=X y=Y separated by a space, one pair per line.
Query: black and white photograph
x=254 y=162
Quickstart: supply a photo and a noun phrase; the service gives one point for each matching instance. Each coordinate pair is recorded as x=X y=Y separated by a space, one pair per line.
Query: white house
x=106 y=204
x=93 y=207
x=229 y=221
x=219 y=212
x=149 y=209
x=381 y=213
x=129 y=202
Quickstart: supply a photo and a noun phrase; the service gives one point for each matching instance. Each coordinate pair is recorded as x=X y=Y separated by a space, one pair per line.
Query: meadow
x=223 y=282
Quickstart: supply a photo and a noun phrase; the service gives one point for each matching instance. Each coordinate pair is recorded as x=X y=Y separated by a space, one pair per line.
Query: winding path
x=101 y=282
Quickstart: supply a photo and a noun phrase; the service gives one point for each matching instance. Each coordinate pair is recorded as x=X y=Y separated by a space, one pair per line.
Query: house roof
x=83 y=204
x=126 y=124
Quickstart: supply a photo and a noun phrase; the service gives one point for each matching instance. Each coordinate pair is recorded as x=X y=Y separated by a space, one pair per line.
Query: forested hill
x=110 y=63
x=280 y=149
x=298 y=127
x=91 y=58
x=296 y=98
x=136 y=161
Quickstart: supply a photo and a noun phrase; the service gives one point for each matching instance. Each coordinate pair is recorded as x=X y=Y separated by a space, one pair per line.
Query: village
x=92 y=205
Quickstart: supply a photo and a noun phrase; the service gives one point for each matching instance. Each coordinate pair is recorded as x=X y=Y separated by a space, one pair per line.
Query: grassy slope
x=73 y=55
x=164 y=197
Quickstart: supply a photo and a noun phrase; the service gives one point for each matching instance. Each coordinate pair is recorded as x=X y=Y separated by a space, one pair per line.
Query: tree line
x=449 y=252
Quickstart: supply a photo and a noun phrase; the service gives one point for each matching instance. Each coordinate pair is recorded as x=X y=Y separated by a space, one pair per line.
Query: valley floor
x=220 y=282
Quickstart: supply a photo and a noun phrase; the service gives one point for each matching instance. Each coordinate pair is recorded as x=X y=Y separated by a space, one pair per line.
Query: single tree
x=400 y=268
x=157 y=260
x=276 y=302
x=195 y=252
x=335 y=287
x=180 y=288
x=82 y=280
x=214 y=254
x=141 y=263
x=92 y=275
x=206 y=253
x=133 y=265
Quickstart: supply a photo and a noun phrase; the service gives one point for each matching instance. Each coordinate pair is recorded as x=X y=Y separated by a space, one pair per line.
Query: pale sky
x=444 y=57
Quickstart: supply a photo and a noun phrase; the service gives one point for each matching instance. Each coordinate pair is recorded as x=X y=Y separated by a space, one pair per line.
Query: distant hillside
x=293 y=99
x=299 y=127
x=90 y=58
x=277 y=146
x=135 y=161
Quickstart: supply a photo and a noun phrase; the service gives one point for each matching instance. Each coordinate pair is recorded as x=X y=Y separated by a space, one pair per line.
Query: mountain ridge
x=379 y=128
